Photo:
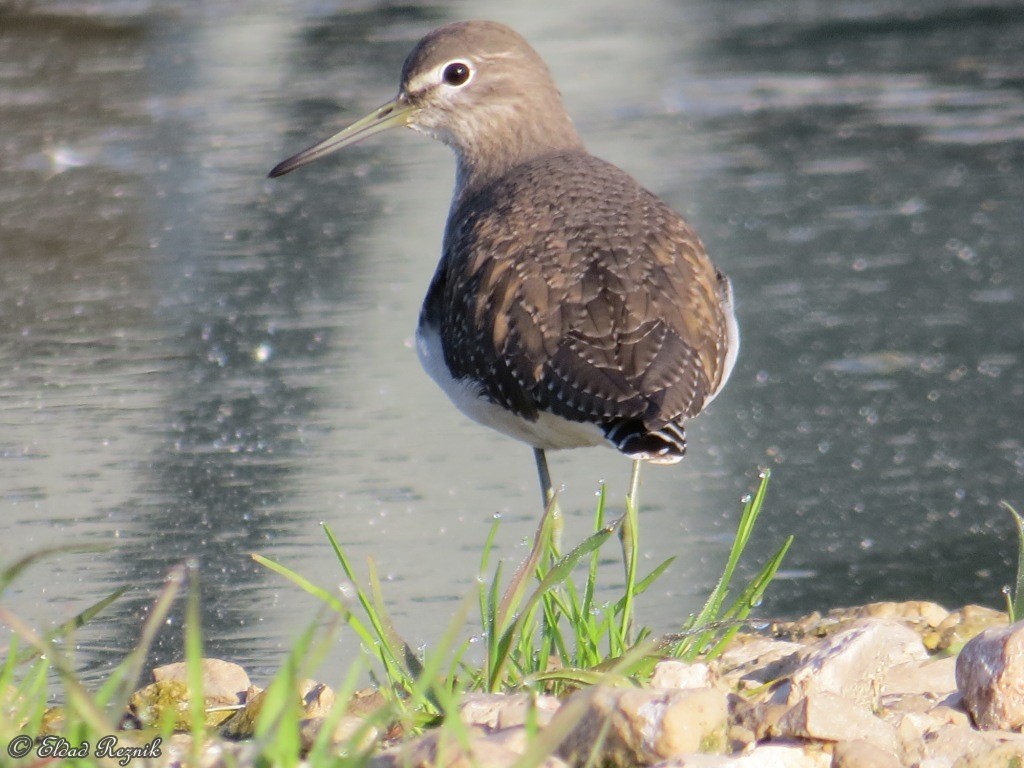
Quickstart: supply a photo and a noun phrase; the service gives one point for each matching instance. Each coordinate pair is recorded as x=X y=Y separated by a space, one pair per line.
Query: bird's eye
x=457 y=73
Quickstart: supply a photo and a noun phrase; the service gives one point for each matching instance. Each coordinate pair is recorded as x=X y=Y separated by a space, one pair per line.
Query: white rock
x=679 y=675
x=923 y=741
x=496 y=710
x=755 y=660
x=767 y=756
x=863 y=754
x=852 y=663
x=933 y=676
x=828 y=717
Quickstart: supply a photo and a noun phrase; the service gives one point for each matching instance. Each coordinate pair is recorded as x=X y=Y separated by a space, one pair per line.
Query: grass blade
x=1015 y=600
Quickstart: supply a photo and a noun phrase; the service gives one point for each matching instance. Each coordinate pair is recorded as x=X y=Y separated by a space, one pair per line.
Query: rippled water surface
x=197 y=362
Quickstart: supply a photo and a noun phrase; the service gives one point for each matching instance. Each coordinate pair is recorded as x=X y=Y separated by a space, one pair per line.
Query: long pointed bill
x=394 y=114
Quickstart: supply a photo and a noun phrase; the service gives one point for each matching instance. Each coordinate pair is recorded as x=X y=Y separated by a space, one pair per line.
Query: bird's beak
x=395 y=113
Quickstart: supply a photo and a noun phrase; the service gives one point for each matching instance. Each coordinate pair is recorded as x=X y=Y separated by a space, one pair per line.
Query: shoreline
x=876 y=686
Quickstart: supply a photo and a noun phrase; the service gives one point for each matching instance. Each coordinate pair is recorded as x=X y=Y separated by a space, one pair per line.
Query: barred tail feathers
x=666 y=445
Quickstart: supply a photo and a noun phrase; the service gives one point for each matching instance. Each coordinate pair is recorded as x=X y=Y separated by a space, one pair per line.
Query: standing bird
x=571 y=307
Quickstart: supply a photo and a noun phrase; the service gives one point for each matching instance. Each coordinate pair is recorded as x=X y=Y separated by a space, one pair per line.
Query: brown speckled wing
x=566 y=287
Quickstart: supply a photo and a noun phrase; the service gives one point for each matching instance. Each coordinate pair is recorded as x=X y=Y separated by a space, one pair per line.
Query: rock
x=214 y=753
x=761 y=718
x=920 y=612
x=430 y=749
x=365 y=702
x=353 y=727
x=482 y=708
x=740 y=738
x=767 y=756
x=892 y=707
x=224 y=688
x=919 y=615
x=349 y=731
x=923 y=739
x=53 y=722
x=852 y=663
x=990 y=677
x=963 y=624
x=929 y=721
x=934 y=676
x=12 y=707
x=754 y=661
x=316 y=702
x=243 y=724
x=698 y=761
x=309 y=731
x=679 y=675
x=1004 y=756
x=639 y=727
x=863 y=754
x=829 y=717
x=441 y=748
x=495 y=710
x=949 y=715
x=317 y=698
x=223 y=681
x=160 y=703
x=783 y=756
x=515 y=738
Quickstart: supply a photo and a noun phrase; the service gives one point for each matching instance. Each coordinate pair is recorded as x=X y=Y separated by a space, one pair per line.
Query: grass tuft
x=543 y=632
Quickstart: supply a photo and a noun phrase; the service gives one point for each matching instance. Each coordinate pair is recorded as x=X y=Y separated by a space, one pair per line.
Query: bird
x=570 y=307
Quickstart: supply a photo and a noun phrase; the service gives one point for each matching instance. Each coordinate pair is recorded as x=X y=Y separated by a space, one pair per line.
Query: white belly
x=548 y=431
x=732 y=336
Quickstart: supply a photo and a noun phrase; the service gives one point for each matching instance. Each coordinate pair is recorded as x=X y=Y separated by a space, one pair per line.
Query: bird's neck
x=499 y=148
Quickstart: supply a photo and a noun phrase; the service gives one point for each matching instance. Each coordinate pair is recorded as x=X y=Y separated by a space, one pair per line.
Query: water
x=199 y=363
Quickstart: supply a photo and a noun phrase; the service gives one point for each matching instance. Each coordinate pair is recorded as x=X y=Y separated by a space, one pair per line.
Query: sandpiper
x=571 y=307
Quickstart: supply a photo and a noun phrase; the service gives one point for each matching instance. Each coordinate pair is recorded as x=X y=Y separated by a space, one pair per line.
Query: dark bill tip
x=282 y=168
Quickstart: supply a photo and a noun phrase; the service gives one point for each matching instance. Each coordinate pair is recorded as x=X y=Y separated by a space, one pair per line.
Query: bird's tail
x=666 y=445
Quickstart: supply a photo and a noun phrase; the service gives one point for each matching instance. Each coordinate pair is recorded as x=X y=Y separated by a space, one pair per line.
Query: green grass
x=541 y=630
x=547 y=627
x=1015 y=596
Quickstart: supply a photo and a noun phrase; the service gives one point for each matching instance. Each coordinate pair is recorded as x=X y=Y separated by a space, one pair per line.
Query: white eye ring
x=456 y=73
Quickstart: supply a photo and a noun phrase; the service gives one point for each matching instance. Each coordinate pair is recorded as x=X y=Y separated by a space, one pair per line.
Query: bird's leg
x=544 y=475
x=630 y=549
x=548 y=496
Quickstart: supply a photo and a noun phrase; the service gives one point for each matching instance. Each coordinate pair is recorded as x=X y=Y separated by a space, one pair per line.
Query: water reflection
x=200 y=363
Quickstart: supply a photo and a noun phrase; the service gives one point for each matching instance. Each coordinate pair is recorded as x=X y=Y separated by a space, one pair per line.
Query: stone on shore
x=853 y=662
x=629 y=726
x=833 y=718
x=223 y=681
x=990 y=677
